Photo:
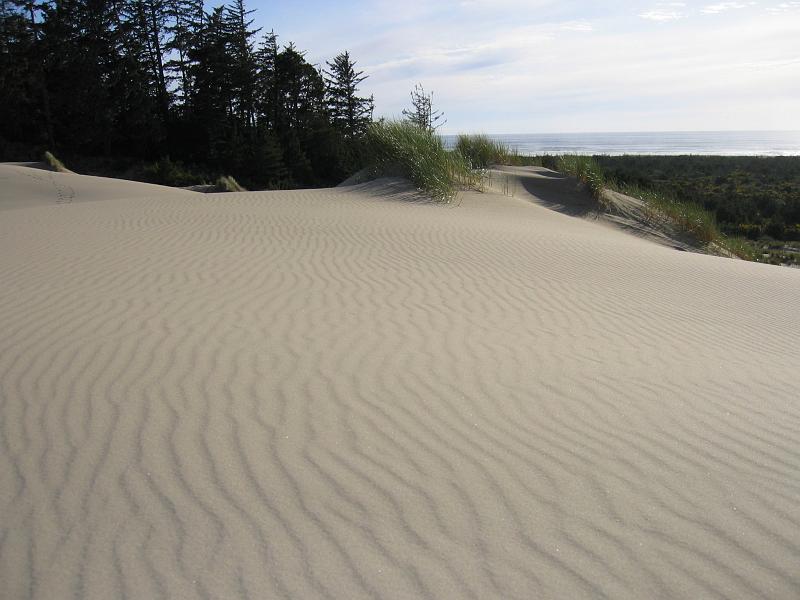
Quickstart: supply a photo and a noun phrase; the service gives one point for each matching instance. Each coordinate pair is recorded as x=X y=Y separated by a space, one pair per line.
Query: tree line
x=149 y=79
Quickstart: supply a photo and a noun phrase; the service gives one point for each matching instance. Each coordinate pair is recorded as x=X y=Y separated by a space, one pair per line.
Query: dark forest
x=181 y=92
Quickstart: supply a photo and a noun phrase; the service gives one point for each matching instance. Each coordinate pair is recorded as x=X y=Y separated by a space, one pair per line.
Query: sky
x=557 y=66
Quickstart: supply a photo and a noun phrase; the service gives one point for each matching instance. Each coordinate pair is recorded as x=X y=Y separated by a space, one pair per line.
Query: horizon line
x=473 y=132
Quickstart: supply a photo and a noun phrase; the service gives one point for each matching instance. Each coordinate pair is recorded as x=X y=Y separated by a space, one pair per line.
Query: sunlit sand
x=357 y=393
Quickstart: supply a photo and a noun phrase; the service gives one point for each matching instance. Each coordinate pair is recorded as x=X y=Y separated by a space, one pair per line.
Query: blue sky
x=528 y=66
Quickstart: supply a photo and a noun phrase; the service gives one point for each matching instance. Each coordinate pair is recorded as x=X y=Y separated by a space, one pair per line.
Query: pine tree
x=300 y=89
x=17 y=56
x=156 y=78
x=148 y=19
x=243 y=61
x=211 y=101
x=349 y=113
x=422 y=113
x=301 y=113
x=267 y=101
x=88 y=75
x=185 y=20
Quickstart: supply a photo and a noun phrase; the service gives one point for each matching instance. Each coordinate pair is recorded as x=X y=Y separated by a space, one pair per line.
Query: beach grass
x=739 y=246
x=401 y=148
x=226 y=183
x=54 y=163
x=481 y=151
x=586 y=170
x=687 y=216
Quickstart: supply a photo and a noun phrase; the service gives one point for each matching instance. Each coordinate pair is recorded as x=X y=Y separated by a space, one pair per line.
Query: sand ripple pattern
x=348 y=394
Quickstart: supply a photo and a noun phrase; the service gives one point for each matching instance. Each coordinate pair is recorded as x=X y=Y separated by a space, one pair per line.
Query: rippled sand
x=352 y=393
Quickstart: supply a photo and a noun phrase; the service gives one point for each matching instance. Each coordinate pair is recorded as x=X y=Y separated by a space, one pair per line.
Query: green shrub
x=481 y=151
x=171 y=173
x=401 y=148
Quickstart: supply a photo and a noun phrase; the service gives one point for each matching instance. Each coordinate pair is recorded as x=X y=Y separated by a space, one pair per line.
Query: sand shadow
x=546 y=188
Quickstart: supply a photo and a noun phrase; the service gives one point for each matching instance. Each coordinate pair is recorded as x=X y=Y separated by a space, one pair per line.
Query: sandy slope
x=349 y=394
x=22 y=186
x=557 y=192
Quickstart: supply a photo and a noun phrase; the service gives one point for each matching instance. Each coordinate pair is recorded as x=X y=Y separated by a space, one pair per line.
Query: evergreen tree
x=185 y=20
x=349 y=113
x=300 y=89
x=243 y=61
x=301 y=112
x=158 y=78
x=148 y=19
x=88 y=75
x=18 y=82
x=267 y=94
x=211 y=101
x=422 y=113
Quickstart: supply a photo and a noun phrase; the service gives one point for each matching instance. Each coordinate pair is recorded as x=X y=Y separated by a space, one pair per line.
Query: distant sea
x=726 y=143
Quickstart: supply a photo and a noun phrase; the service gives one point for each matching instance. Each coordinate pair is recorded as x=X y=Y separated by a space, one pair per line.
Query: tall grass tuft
x=586 y=170
x=688 y=216
x=739 y=246
x=54 y=163
x=226 y=183
x=482 y=152
x=401 y=148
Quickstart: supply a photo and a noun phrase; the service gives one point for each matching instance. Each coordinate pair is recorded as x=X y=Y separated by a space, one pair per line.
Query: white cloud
x=662 y=15
x=720 y=7
x=574 y=66
x=784 y=7
x=577 y=26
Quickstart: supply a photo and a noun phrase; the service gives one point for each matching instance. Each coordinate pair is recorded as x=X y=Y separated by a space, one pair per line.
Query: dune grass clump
x=586 y=170
x=54 y=163
x=402 y=148
x=688 y=216
x=481 y=152
x=739 y=247
x=226 y=183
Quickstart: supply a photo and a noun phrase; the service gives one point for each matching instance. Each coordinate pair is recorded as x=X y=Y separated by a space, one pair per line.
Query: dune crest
x=348 y=394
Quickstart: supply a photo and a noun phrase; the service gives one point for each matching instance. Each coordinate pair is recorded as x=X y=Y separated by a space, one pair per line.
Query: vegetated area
x=413 y=150
x=168 y=92
x=756 y=198
x=747 y=205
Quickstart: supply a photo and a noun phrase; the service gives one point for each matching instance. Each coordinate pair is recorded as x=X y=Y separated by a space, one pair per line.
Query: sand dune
x=352 y=393
x=22 y=186
x=560 y=193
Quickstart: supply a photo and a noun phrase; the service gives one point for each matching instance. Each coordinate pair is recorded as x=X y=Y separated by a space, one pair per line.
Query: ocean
x=725 y=143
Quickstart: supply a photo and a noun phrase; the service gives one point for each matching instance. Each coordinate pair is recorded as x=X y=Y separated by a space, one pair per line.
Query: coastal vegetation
x=226 y=183
x=403 y=148
x=754 y=197
x=687 y=216
x=482 y=151
x=659 y=205
x=422 y=113
x=167 y=90
x=753 y=201
x=53 y=163
x=586 y=170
